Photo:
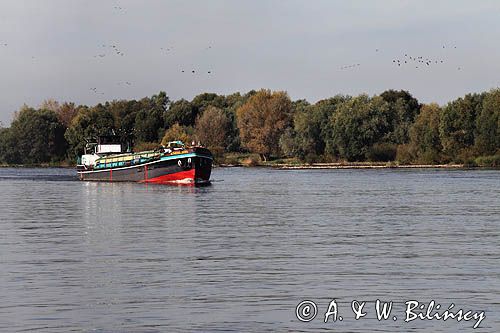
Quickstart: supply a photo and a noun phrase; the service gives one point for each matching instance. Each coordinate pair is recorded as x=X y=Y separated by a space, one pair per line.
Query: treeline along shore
x=267 y=128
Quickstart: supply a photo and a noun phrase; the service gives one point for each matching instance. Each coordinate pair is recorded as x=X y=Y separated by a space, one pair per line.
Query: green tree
x=38 y=136
x=181 y=112
x=315 y=126
x=262 y=120
x=9 y=153
x=87 y=126
x=205 y=100
x=488 y=125
x=233 y=102
x=358 y=124
x=124 y=114
x=149 y=121
x=404 y=108
x=458 y=125
x=311 y=136
x=425 y=143
x=290 y=141
x=289 y=144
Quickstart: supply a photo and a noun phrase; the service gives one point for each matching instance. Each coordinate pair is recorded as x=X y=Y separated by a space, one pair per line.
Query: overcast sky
x=55 y=48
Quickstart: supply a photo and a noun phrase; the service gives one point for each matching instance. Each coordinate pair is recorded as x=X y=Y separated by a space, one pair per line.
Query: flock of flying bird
x=117 y=51
x=417 y=61
x=114 y=48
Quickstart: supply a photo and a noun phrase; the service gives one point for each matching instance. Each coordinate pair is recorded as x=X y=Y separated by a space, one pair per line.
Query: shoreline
x=369 y=166
x=326 y=166
x=313 y=166
x=37 y=166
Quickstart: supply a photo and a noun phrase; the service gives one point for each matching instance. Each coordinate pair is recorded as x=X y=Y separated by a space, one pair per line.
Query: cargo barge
x=174 y=164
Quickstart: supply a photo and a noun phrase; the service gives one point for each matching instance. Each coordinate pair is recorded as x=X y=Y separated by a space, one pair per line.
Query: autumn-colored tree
x=212 y=129
x=262 y=120
x=50 y=104
x=144 y=146
x=176 y=133
x=66 y=113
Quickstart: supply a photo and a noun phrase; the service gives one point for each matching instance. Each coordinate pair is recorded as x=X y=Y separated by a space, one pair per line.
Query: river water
x=241 y=254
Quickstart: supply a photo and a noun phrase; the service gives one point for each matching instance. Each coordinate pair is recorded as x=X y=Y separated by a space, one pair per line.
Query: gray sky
x=53 y=48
